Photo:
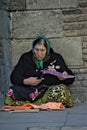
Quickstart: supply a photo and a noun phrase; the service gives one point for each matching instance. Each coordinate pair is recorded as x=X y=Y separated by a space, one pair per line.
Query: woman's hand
x=65 y=73
x=33 y=81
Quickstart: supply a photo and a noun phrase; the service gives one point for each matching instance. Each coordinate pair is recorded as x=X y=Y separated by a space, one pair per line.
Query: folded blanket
x=27 y=106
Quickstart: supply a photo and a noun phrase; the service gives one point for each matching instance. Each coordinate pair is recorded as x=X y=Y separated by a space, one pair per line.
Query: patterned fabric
x=60 y=93
x=57 y=93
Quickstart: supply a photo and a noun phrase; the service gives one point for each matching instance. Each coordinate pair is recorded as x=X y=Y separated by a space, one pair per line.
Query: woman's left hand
x=65 y=73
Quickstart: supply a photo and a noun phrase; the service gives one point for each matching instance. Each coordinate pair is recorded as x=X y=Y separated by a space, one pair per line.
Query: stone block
x=30 y=24
x=5 y=65
x=70 y=19
x=75 y=70
x=74 y=128
x=77 y=18
x=84 y=51
x=50 y=4
x=85 y=63
x=6 y=52
x=71 y=33
x=82 y=76
x=84 y=10
x=84 y=44
x=75 y=26
x=83 y=3
x=83 y=32
x=68 y=47
x=17 y=4
x=85 y=57
x=4 y=25
x=4 y=4
x=84 y=39
x=84 y=70
x=81 y=18
x=84 y=83
x=18 y=48
x=5 y=79
x=75 y=33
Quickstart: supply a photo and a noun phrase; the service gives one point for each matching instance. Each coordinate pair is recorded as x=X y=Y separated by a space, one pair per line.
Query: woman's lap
x=57 y=93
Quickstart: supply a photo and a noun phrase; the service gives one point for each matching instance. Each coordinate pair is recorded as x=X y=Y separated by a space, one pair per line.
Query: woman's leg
x=60 y=93
x=20 y=92
x=17 y=93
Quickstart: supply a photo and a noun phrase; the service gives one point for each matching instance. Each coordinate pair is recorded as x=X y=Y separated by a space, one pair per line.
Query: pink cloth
x=46 y=106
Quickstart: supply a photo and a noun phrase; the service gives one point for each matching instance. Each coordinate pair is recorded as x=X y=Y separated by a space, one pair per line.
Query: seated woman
x=32 y=85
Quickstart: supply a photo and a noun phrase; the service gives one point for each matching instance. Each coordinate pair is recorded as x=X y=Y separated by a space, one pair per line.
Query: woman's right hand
x=33 y=81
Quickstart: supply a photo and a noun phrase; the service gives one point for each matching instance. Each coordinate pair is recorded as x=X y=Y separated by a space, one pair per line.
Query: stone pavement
x=69 y=119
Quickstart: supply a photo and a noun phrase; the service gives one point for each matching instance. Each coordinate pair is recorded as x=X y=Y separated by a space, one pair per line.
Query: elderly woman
x=32 y=85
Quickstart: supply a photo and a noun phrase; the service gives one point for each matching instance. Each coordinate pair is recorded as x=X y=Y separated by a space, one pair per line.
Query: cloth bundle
x=46 y=106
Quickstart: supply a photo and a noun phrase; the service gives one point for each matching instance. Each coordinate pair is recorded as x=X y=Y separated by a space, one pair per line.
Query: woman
x=32 y=85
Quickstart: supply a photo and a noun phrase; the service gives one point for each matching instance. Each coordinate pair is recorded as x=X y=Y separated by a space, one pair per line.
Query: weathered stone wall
x=5 y=63
x=64 y=22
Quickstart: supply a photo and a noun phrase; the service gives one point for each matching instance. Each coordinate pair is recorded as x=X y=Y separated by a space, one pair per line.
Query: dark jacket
x=26 y=68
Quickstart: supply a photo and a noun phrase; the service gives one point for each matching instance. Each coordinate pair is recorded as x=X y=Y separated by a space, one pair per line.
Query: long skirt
x=54 y=93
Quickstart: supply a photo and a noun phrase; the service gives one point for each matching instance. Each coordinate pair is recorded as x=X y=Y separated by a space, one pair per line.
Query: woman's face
x=39 y=51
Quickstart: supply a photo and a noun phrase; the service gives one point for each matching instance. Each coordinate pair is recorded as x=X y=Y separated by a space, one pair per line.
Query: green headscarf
x=39 y=63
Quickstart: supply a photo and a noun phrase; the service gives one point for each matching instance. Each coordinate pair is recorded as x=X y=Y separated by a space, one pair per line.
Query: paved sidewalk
x=69 y=119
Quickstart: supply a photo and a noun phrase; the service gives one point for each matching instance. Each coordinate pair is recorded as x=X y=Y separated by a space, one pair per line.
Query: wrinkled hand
x=33 y=81
x=65 y=73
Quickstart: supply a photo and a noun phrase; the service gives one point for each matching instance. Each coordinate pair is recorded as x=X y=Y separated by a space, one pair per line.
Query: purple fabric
x=56 y=73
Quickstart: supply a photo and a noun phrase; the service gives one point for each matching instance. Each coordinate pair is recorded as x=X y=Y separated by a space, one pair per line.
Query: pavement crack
x=66 y=118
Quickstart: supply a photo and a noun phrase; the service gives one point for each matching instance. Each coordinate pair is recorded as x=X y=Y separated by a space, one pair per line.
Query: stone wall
x=64 y=22
x=5 y=50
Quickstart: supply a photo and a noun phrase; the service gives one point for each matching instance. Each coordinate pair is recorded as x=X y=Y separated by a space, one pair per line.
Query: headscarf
x=39 y=63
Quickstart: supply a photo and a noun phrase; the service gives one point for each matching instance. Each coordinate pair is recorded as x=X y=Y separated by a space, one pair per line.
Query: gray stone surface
x=4 y=4
x=7 y=51
x=17 y=4
x=44 y=128
x=74 y=128
x=32 y=23
x=49 y=118
x=6 y=65
x=79 y=120
x=50 y=4
x=18 y=48
x=68 y=47
x=4 y=24
x=74 y=118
